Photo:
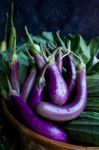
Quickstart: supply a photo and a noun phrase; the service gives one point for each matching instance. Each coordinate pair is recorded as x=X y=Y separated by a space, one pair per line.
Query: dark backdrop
x=68 y=16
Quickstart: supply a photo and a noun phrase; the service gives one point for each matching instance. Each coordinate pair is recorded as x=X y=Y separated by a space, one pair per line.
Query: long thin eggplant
x=69 y=111
x=14 y=69
x=36 y=52
x=14 y=66
x=28 y=84
x=36 y=94
x=70 y=74
x=57 y=87
x=35 y=123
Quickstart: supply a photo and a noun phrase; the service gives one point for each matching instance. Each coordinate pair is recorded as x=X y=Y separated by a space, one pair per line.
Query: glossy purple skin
x=39 y=61
x=57 y=87
x=35 y=96
x=14 y=76
x=59 y=60
x=35 y=123
x=69 y=111
x=28 y=85
x=71 y=73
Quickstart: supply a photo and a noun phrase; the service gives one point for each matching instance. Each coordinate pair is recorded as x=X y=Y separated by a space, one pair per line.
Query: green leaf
x=23 y=59
x=49 y=38
x=23 y=73
x=45 y=38
x=23 y=47
x=84 y=49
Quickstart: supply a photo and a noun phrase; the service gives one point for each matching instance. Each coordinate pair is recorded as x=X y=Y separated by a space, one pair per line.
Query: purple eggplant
x=28 y=84
x=35 y=123
x=71 y=73
x=36 y=94
x=69 y=111
x=36 y=52
x=14 y=69
x=57 y=88
x=39 y=61
x=14 y=75
x=14 y=66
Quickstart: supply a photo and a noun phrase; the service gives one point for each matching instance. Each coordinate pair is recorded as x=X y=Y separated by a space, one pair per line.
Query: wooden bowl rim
x=35 y=136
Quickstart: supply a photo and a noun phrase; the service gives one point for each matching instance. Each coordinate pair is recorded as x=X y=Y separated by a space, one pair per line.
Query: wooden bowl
x=34 y=141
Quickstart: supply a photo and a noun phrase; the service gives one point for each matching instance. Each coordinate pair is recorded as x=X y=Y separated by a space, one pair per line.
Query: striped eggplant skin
x=70 y=77
x=35 y=123
x=14 y=74
x=57 y=88
x=40 y=61
x=28 y=84
x=69 y=111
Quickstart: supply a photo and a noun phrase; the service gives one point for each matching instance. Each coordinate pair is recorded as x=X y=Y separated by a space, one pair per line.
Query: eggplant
x=34 y=122
x=57 y=95
x=14 y=66
x=57 y=87
x=70 y=77
x=36 y=94
x=28 y=84
x=36 y=52
x=69 y=111
x=39 y=61
x=14 y=70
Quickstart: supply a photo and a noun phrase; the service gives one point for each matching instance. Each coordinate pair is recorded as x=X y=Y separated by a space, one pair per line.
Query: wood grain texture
x=33 y=138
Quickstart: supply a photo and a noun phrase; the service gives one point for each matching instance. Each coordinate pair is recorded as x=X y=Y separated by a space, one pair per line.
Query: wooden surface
x=34 y=138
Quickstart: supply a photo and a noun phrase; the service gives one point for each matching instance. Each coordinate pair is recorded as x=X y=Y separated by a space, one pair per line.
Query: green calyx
x=34 y=47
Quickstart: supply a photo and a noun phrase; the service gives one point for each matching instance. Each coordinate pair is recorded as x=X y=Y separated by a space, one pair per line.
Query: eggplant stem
x=52 y=56
x=43 y=73
x=47 y=50
x=61 y=41
x=28 y=35
x=65 y=54
x=69 y=50
x=54 y=53
x=41 y=79
x=80 y=59
x=30 y=56
x=30 y=39
x=69 y=45
x=14 y=57
x=44 y=55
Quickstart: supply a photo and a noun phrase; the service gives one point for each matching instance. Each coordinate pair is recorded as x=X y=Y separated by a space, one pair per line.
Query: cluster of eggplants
x=61 y=104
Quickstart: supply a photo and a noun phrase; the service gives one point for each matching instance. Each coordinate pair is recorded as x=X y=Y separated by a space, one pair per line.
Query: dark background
x=68 y=16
